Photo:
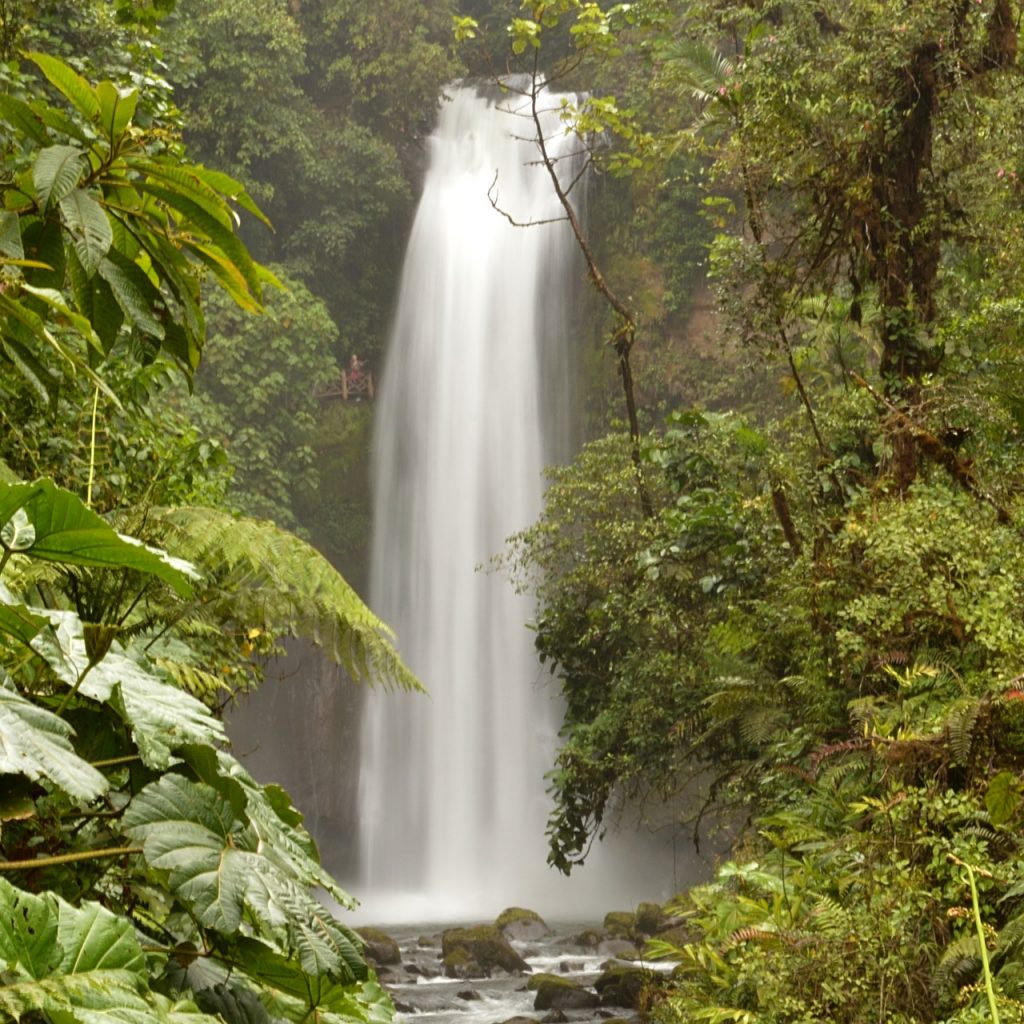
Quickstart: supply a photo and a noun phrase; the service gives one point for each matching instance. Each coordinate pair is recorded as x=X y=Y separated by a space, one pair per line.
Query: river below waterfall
x=423 y=995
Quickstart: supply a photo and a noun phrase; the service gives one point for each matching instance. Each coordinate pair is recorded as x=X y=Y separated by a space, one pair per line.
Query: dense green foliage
x=317 y=106
x=802 y=610
x=145 y=875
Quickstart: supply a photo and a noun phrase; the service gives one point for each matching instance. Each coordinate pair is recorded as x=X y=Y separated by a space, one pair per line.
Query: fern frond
x=831 y=918
x=290 y=586
x=960 y=725
x=760 y=724
x=958 y=966
x=201 y=684
x=700 y=68
x=1011 y=936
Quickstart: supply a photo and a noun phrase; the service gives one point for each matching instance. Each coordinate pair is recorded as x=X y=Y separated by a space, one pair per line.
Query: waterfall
x=472 y=407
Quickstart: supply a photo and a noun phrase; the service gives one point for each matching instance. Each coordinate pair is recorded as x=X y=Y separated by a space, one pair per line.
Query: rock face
x=555 y=993
x=478 y=952
x=379 y=946
x=521 y=925
x=624 y=986
x=619 y=924
x=650 y=918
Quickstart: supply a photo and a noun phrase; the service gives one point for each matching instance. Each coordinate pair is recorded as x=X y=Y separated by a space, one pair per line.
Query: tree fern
x=289 y=585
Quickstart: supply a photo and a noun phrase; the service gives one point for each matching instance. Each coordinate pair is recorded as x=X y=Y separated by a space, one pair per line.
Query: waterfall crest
x=472 y=407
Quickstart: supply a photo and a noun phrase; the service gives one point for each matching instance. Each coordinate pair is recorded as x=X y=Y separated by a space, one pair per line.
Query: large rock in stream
x=521 y=925
x=626 y=986
x=379 y=947
x=478 y=952
x=557 y=993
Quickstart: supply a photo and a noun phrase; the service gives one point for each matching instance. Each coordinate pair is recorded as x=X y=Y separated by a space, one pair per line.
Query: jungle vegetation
x=793 y=600
x=145 y=875
x=781 y=587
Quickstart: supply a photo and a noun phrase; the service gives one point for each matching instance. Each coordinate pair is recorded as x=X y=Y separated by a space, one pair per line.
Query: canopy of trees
x=789 y=594
x=796 y=602
x=145 y=875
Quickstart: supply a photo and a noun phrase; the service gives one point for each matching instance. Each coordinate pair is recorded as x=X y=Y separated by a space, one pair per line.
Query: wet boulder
x=625 y=986
x=380 y=948
x=557 y=993
x=590 y=938
x=483 y=946
x=650 y=918
x=521 y=925
x=619 y=924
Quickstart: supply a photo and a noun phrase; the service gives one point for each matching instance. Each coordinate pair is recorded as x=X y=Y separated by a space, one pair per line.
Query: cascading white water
x=452 y=801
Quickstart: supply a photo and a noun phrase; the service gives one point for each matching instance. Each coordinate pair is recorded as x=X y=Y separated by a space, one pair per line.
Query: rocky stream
x=519 y=969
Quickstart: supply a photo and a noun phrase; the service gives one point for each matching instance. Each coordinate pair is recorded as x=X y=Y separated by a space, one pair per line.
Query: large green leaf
x=11 y=245
x=135 y=293
x=28 y=932
x=99 y=997
x=76 y=964
x=94 y=939
x=197 y=217
x=56 y=172
x=189 y=830
x=271 y=816
x=292 y=994
x=161 y=717
x=19 y=621
x=90 y=230
x=36 y=743
x=21 y=116
x=219 y=864
x=69 y=82
x=69 y=533
x=117 y=108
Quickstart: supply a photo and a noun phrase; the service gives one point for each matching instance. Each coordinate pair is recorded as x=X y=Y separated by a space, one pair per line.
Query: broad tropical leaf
x=135 y=293
x=56 y=173
x=189 y=830
x=90 y=229
x=69 y=82
x=94 y=939
x=117 y=108
x=28 y=931
x=270 y=815
x=96 y=997
x=161 y=717
x=11 y=245
x=78 y=964
x=70 y=533
x=36 y=743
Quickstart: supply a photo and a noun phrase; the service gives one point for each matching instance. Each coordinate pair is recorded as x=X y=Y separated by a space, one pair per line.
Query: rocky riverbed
x=521 y=969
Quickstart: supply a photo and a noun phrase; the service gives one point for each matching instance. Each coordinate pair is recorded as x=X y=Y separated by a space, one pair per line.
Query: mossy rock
x=649 y=918
x=534 y=981
x=459 y=964
x=486 y=945
x=678 y=935
x=618 y=924
x=590 y=938
x=555 y=993
x=380 y=947
x=521 y=925
x=625 y=986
